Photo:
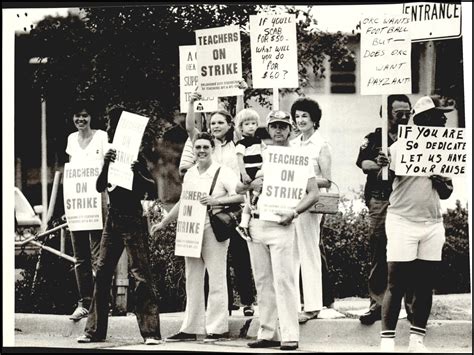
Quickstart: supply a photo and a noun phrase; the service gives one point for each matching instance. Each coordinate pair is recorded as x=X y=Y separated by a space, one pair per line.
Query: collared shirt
x=313 y=145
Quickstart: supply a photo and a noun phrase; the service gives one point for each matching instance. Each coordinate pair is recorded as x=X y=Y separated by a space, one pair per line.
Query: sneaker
x=263 y=343
x=86 y=339
x=79 y=313
x=306 y=316
x=371 y=317
x=249 y=311
x=244 y=233
x=289 y=345
x=216 y=337
x=153 y=341
x=181 y=336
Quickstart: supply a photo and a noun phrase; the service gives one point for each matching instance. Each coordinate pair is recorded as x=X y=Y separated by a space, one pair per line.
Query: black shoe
x=244 y=233
x=263 y=343
x=249 y=311
x=216 y=337
x=289 y=345
x=370 y=317
x=181 y=337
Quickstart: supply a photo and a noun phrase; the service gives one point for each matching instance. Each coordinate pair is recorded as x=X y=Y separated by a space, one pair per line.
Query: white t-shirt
x=95 y=150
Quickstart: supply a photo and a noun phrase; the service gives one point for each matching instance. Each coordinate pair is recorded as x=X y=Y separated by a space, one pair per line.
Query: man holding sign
x=415 y=236
x=273 y=234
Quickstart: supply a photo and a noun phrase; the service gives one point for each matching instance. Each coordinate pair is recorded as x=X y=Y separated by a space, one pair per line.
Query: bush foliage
x=346 y=238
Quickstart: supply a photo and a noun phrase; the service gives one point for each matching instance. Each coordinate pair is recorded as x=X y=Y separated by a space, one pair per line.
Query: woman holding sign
x=213 y=257
x=221 y=128
x=272 y=253
x=86 y=144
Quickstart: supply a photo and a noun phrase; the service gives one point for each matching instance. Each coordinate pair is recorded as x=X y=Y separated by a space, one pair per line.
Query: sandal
x=306 y=316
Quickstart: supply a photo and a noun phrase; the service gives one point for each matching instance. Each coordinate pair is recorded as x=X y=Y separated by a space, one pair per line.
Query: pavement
x=336 y=330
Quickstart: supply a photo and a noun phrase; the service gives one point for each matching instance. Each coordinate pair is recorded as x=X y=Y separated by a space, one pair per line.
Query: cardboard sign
x=274 y=51
x=188 y=81
x=191 y=218
x=82 y=202
x=219 y=61
x=425 y=151
x=286 y=174
x=127 y=140
x=385 y=55
x=434 y=21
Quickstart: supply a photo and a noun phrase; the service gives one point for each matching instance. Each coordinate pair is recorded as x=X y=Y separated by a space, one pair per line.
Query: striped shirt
x=251 y=149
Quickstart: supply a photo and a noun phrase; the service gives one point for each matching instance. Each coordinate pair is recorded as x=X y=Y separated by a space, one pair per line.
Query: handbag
x=224 y=222
x=328 y=202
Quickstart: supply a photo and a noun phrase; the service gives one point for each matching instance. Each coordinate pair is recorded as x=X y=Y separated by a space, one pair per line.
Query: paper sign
x=385 y=55
x=191 y=218
x=219 y=61
x=424 y=151
x=127 y=140
x=433 y=21
x=188 y=81
x=82 y=202
x=285 y=172
x=274 y=51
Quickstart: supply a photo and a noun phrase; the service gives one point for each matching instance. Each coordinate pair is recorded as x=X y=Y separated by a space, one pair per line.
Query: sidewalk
x=342 y=334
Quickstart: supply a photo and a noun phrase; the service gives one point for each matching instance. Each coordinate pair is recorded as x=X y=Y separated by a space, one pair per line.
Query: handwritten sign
x=433 y=21
x=219 y=61
x=127 y=140
x=188 y=81
x=286 y=172
x=82 y=202
x=385 y=55
x=191 y=218
x=424 y=151
x=274 y=51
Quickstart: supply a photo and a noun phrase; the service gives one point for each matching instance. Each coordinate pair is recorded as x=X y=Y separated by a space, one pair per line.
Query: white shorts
x=408 y=240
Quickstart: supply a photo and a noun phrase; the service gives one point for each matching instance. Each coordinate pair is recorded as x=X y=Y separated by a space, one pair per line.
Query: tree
x=129 y=55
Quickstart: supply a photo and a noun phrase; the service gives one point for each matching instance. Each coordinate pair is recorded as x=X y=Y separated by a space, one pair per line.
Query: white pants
x=213 y=258
x=273 y=265
x=308 y=256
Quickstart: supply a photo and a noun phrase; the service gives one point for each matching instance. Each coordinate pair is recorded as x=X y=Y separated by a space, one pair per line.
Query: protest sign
x=385 y=55
x=82 y=202
x=425 y=151
x=188 y=81
x=191 y=218
x=219 y=61
x=285 y=172
x=274 y=51
x=127 y=140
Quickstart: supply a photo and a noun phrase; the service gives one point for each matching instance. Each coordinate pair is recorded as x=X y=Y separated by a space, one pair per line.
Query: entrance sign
x=82 y=202
x=188 y=81
x=219 y=61
x=127 y=140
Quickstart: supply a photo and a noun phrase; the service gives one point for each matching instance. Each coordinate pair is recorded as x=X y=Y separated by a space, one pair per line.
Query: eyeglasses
x=400 y=114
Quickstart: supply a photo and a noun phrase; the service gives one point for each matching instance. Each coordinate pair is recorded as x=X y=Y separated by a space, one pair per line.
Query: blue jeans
x=86 y=248
x=129 y=231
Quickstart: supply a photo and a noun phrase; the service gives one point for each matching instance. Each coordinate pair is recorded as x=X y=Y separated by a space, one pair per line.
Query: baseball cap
x=431 y=102
x=278 y=116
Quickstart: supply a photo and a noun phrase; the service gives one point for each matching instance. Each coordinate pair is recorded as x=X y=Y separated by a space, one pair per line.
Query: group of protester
x=407 y=232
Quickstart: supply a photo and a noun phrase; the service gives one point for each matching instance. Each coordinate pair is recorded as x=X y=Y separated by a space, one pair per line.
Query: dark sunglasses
x=400 y=114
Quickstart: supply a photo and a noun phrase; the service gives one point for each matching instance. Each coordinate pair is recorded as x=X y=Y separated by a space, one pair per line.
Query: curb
x=440 y=334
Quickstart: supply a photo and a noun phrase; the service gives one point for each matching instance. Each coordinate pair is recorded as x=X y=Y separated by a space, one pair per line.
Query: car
x=27 y=222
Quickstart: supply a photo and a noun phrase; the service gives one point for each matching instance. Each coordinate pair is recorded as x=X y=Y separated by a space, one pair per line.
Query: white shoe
x=387 y=345
x=153 y=341
x=79 y=313
x=417 y=347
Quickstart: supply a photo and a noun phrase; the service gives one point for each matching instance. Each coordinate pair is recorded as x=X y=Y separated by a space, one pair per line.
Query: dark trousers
x=86 y=249
x=417 y=276
x=122 y=230
x=240 y=261
x=377 y=282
